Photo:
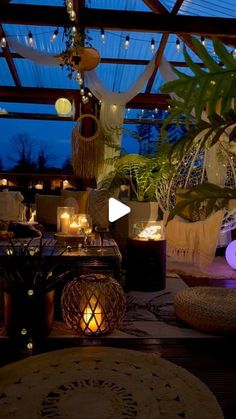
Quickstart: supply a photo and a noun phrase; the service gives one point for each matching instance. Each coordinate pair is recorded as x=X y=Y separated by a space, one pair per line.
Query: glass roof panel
x=122 y=80
x=134 y=5
x=35 y=75
x=5 y=75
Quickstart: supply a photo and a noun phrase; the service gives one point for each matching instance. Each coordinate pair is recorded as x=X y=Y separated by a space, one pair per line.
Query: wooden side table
x=146 y=265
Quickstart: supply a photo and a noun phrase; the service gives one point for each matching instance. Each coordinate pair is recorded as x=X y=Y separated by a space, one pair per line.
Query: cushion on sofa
x=46 y=209
x=98 y=207
x=76 y=197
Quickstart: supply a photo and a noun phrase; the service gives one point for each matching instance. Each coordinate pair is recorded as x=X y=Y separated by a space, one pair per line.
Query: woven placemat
x=102 y=383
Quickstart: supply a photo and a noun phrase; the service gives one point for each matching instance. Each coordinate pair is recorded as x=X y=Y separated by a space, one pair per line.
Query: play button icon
x=116 y=209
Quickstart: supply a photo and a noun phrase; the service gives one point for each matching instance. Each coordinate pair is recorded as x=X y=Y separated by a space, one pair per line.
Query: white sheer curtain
x=112 y=110
x=113 y=104
x=30 y=53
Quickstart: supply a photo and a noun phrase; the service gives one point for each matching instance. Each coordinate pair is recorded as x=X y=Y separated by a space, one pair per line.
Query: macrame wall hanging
x=87 y=152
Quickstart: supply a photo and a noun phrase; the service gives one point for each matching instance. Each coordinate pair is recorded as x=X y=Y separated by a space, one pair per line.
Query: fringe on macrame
x=87 y=152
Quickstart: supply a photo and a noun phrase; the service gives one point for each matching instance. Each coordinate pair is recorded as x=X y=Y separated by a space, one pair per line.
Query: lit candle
x=65 y=223
x=92 y=317
x=84 y=222
x=74 y=227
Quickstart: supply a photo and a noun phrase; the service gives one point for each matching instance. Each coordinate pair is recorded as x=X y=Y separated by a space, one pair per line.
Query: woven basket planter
x=93 y=304
x=208 y=309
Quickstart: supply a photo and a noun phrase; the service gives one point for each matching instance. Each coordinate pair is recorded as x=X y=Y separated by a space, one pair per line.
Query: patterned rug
x=102 y=383
x=148 y=315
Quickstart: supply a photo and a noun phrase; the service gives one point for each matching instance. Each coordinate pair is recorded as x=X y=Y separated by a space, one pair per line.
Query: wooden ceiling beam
x=49 y=96
x=161 y=47
x=125 y=61
x=35 y=116
x=166 y=23
x=7 y=55
x=120 y=20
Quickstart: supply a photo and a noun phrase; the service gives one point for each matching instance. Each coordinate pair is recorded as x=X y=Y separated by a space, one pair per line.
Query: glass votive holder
x=148 y=230
x=64 y=215
x=74 y=228
x=85 y=223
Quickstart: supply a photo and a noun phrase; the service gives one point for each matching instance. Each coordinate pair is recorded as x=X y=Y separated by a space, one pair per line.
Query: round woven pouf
x=93 y=304
x=209 y=309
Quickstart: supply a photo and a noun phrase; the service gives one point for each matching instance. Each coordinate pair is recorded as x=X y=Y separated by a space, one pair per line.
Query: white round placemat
x=101 y=382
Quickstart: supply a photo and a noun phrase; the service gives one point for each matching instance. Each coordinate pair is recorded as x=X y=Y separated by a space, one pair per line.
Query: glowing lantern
x=63 y=106
x=93 y=304
x=230 y=254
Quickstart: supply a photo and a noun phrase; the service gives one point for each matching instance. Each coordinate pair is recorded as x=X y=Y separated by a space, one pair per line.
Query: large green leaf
x=203 y=88
x=213 y=196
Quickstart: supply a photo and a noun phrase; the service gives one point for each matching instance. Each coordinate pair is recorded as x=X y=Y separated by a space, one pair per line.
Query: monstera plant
x=211 y=91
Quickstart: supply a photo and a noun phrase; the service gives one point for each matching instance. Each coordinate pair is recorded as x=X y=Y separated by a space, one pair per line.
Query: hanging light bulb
x=72 y=15
x=3 y=42
x=127 y=42
x=53 y=37
x=203 y=40
x=152 y=45
x=74 y=30
x=30 y=39
x=69 y=6
x=234 y=53
x=103 y=36
x=177 y=45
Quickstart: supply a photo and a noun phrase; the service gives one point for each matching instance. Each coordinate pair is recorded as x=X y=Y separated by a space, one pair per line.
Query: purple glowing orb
x=230 y=254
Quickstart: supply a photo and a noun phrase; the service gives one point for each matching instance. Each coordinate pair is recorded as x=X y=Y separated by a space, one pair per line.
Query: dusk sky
x=54 y=137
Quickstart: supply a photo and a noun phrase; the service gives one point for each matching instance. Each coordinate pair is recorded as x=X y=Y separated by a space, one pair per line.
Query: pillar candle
x=65 y=223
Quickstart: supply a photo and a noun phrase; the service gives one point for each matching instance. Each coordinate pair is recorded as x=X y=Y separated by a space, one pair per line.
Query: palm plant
x=205 y=90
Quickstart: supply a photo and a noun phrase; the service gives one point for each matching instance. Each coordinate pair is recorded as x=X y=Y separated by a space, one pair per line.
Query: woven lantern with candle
x=93 y=304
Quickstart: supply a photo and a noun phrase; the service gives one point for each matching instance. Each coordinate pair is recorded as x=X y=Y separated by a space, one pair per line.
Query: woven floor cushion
x=208 y=309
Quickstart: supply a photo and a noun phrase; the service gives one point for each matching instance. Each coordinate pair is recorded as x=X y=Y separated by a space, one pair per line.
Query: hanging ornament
x=87 y=152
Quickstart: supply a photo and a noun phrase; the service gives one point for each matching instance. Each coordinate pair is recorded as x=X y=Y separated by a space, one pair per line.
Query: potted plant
x=145 y=175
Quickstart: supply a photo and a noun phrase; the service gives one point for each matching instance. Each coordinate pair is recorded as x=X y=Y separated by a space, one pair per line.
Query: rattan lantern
x=93 y=304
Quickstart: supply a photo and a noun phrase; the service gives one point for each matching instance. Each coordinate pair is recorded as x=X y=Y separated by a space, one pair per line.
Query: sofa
x=91 y=202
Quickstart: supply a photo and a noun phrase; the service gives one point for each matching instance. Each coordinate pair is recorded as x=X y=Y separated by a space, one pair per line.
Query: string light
x=72 y=15
x=103 y=36
x=177 y=45
x=55 y=33
x=74 y=30
x=234 y=53
x=69 y=6
x=3 y=42
x=127 y=42
x=30 y=39
x=203 y=40
x=152 y=45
